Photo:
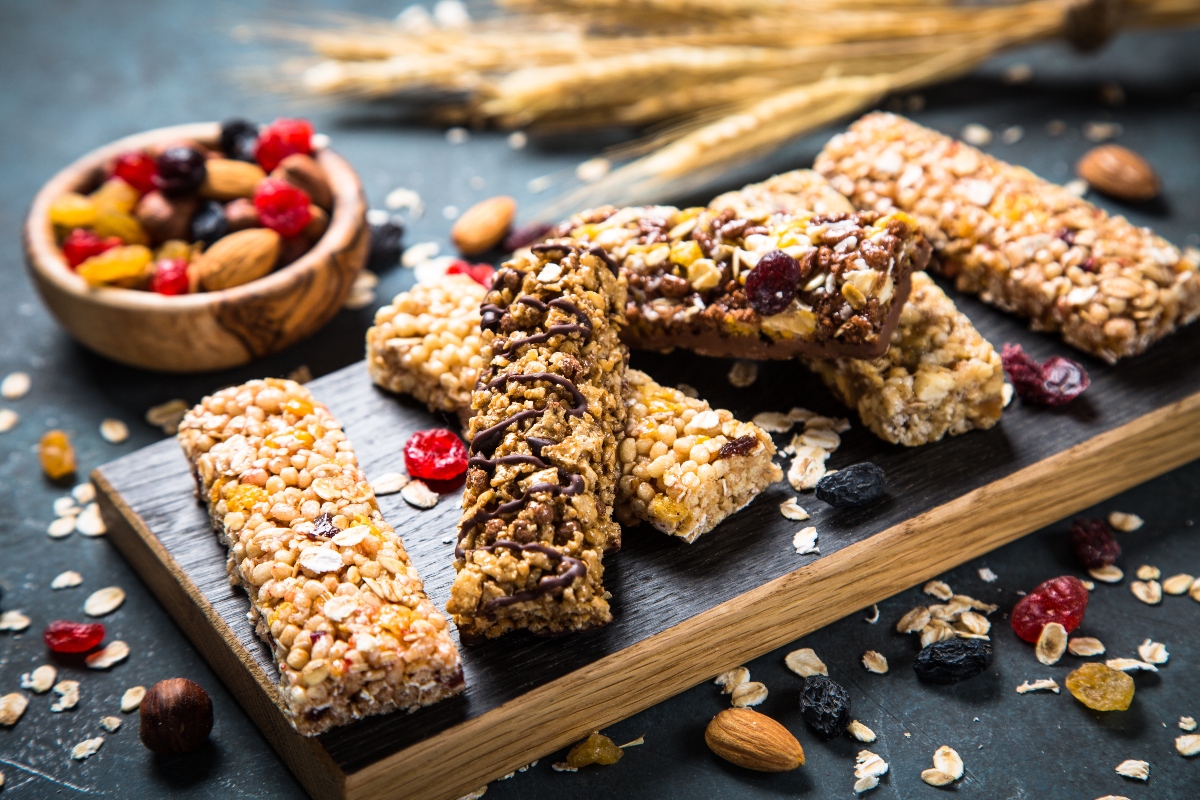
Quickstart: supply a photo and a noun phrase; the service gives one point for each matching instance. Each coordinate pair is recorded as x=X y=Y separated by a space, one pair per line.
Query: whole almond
x=1119 y=172
x=304 y=172
x=484 y=225
x=237 y=258
x=752 y=740
x=228 y=179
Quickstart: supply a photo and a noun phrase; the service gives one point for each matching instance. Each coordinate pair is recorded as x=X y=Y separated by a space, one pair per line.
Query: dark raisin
x=209 y=223
x=953 y=660
x=181 y=170
x=323 y=526
x=239 y=137
x=738 y=447
x=856 y=485
x=526 y=235
x=1056 y=382
x=771 y=285
x=825 y=706
x=1094 y=543
x=387 y=233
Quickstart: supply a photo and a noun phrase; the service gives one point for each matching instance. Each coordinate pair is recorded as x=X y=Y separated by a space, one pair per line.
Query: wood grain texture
x=207 y=330
x=682 y=612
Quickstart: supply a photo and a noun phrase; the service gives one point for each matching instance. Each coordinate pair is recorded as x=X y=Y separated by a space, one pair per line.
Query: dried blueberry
x=1056 y=382
x=238 y=139
x=825 y=706
x=1094 y=543
x=181 y=170
x=209 y=223
x=771 y=285
x=387 y=233
x=953 y=660
x=856 y=485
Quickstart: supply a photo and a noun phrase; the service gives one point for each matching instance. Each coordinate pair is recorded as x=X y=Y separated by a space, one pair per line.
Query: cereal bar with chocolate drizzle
x=1021 y=243
x=332 y=591
x=542 y=473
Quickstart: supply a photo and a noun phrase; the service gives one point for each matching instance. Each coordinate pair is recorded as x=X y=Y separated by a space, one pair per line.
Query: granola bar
x=332 y=591
x=542 y=477
x=795 y=192
x=1023 y=244
x=687 y=270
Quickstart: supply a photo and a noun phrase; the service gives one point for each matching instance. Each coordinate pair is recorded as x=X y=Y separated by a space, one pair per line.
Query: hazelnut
x=242 y=214
x=165 y=218
x=304 y=172
x=176 y=716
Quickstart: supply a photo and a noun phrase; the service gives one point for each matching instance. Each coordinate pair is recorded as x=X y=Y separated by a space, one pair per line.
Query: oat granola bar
x=798 y=191
x=332 y=591
x=687 y=272
x=1021 y=243
x=542 y=477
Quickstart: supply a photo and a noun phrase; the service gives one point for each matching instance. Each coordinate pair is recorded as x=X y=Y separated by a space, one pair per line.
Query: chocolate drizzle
x=547 y=583
x=584 y=325
x=573 y=486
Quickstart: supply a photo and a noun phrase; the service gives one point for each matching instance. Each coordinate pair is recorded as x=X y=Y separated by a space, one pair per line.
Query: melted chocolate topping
x=547 y=583
x=574 y=486
x=584 y=325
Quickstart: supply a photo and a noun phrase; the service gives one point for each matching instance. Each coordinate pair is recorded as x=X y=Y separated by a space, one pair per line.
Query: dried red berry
x=435 y=455
x=282 y=138
x=771 y=285
x=282 y=207
x=137 y=169
x=525 y=235
x=1056 y=382
x=170 y=276
x=480 y=273
x=1062 y=600
x=64 y=636
x=1094 y=543
x=81 y=244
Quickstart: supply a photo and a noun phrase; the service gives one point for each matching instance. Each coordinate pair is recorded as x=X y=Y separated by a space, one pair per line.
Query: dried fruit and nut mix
x=185 y=218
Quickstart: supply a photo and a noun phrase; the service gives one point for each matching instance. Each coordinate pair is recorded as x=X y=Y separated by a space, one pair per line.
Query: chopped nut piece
x=416 y=493
x=1148 y=573
x=1138 y=770
x=13 y=621
x=948 y=761
x=89 y=521
x=773 y=421
x=68 y=696
x=1149 y=593
x=805 y=541
x=112 y=653
x=132 y=698
x=40 y=680
x=1085 y=646
x=987 y=576
x=110 y=724
x=12 y=706
x=1051 y=644
x=792 y=510
x=728 y=681
x=86 y=748
x=1187 y=723
x=104 y=601
x=914 y=620
x=804 y=662
x=1125 y=522
x=1130 y=665
x=938 y=589
x=750 y=693
x=114 y=431
x=168 y=415
x=1188 y=745
x=1153 y=652
x=875 y=662
x=1178 y=584
x=743 y=374
x=389 y=483
x=15 y=385
x=1043 y=684
x=1110 y=574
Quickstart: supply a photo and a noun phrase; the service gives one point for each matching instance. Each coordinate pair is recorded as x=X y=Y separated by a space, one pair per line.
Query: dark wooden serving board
x=682 y=613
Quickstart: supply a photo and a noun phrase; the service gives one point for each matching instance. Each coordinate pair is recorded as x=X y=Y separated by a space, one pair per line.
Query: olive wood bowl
x=205 y=330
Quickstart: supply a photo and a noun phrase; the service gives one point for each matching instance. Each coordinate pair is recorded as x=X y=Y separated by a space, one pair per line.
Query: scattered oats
x=1 y=780
x=1188 y=745
x=987 y=576
x=1131 y=768
x=805 y=541
x=416 y=493
x=1149 y=593
x=808 y=467
x=593 y=169
x=871 y=620
x=875 y=662
x=822 y=438
x=1194 y=592
x=403 y=198
x=728 y=681
x=1178 y=584
x=947 y=760
x=802 y=414
x=132 y=698
x=860 y=732
x=1153 y=652
x=1051 y=644
x=1101 y=131
x=867 y=764
x=517 y=140
x=365 y=280
x=114 y=431
x=1089 y=585
x=12 y=706
x=773 y=421
x=750 y=693
x=935 y=777
x=805 y=663
x=84 y=493
x=1148 y=573
x=938 y=589
x=475 y=795
x=1015 y=74
x=1056 y=127
x=15 y=385
x=104 y=601
x=835 y=424
x=1109 y=574
x=40 y=680
x=450 y=212
x=865 y=784
x=359 y=299
x=976 y=134
x=688 y=390
x=1006 y=394
x=562 y=766
x=914 y=620
x=419 y=253
x=537 y=186
x=939 y=631
x=792 y=510
x=1012 y=134
x=168 y=415
x=1043 y=684
x=1130 y=665
x=110 y=724
x=65 y=506
x=1187 y=723
x=457 y=135
x=86 y=748
x=1085 y=646
x=302 y=374
x=63 y=526
x=974 y=622
x=389 y=483
x=113 y=653
x=319 y=141
x=743 y=374
x=1126 y=523
x=1077 y=187
x=635 y=743
x=13 y=621
x=89 y=522
x=8 y=419
x=68 y=696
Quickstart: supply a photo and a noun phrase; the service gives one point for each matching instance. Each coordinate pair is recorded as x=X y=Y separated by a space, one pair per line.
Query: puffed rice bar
x=332 y=591
x=1021 y=243
x=542 y=477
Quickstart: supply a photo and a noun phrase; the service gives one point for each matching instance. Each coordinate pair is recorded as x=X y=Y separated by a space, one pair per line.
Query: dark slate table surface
x=79 y=74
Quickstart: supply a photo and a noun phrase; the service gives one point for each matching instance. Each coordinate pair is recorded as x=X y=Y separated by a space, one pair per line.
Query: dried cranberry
x=480 y=273
x=137 y=169
x=1062 y=600
x=181 y=170
x=282 y=207
x=526 y=235
x=63 y=636
x=1094 y=543
x=771 y=285
x=435 y=455
x=239 y=139
x=1056 y=382
x=282 y=138
x=170 y=276
x=81 y=244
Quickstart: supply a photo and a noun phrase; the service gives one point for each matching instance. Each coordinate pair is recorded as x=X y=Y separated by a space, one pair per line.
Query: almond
x=228 y=179
x=237 y=258
x=304 y=172
x=752 y=740
x=484 y=225
x=1119 y=172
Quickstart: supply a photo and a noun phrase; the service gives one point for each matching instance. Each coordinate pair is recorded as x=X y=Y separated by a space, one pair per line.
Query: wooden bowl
x=206 y=330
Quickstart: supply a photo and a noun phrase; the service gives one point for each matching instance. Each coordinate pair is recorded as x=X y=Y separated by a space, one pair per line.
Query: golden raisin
x=73 y=210
x=244 y=497
x=174 y=249
x=111 y=222
x=596 y=749
x=115 y=195
x=300 y=408
x=130 y=263
x=56 y=454
x=1101 y=687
